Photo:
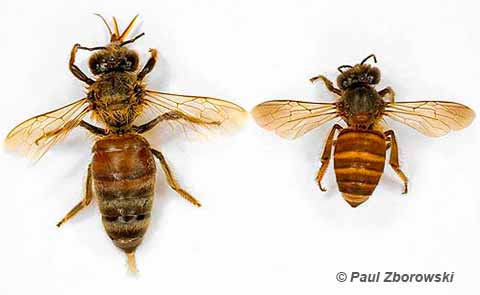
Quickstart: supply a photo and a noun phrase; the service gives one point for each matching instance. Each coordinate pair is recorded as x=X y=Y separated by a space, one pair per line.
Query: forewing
x=196 y=110
x=291 y=119
x=35 y=136
x=432 y=118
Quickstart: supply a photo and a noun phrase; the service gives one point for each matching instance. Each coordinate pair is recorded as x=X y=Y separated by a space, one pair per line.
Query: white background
x=265 y=227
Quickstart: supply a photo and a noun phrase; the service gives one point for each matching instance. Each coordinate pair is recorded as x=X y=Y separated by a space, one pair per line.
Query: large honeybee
x=360 y=148
x=121 y=175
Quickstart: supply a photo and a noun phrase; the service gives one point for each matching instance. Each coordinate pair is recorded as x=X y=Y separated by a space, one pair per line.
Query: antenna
x=368 y=57
x=105 y=22
x=342 y=67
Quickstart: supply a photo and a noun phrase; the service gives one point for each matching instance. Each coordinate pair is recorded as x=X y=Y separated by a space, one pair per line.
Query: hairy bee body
x=117 y=97
x=122 y=173
x=123 y=178
x=359 y=160
x=359 y=150
x=361 y=107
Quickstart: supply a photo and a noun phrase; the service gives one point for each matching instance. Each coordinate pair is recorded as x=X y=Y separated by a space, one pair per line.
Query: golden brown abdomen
x=123 y=174
x=359 y=159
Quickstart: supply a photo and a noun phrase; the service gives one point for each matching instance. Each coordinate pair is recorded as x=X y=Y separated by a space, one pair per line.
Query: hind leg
x=394 y=163
x=83 y=203
x=327 y=154
x=172 y=182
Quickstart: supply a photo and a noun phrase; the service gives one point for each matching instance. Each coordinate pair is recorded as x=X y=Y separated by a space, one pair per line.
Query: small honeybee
x=360 y=148
x=121 y=175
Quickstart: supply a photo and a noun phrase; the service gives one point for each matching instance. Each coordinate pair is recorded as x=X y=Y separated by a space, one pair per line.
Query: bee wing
x=291 y=119
x=36 y=135
x=432 y=118
x=199 y=110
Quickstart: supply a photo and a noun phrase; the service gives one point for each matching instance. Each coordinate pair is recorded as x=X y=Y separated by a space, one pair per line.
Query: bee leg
x=93 y=129
x=171 y=116
x=149 y=125
x=327 y=154
x=175 y=115
x=172 y=182
x=389 y=144
x=394 y=159
x=83 y=203
x=149 y=65
x=387 y=92
x=76 y=70
x=328 y=84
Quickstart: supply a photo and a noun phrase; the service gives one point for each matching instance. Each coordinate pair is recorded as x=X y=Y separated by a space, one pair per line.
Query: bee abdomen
x=126 y=231
x=359 y=159
x=123 y=172
x=126 y=213
x=355 y=200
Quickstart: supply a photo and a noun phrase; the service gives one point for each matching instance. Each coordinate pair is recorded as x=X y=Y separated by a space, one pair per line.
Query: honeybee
x=360 y=148
x=121 y=175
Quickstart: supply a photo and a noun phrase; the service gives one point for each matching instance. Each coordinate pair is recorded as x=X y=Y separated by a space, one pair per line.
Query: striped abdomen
x=359 y=159
x=123 y=174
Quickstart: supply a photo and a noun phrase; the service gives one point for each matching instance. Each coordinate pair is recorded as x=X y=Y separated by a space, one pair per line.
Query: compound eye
x=131 y=61
x=101 y=67
x=97 y=65
x=342 y=82
x=374 y=76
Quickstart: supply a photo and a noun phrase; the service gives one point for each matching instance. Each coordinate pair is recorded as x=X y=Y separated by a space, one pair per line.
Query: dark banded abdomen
x=123 y=174
x=359 y=159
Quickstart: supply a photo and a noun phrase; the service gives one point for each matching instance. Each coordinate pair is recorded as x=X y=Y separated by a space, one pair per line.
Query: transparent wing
x=291 y=119
x=195 y=110
x=432 y=118
x=35 y=136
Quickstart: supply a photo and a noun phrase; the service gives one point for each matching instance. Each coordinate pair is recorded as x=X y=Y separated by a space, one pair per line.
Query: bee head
x=361 y=73
x=119 y=60
x=114 y=56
